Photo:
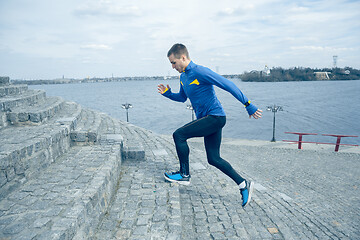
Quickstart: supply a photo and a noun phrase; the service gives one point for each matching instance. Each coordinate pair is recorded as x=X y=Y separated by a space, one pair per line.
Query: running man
x=196 y=83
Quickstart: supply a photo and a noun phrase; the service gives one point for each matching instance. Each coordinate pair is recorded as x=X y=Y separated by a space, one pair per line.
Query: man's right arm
x=166 y=91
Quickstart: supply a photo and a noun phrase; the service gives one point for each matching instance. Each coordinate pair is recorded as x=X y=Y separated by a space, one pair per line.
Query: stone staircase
x=59 y=165
x=87 y=131
x=35 y=113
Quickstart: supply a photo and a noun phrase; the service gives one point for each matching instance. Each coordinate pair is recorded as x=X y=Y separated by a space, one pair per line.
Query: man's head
x=179 y=57
x=178 y=49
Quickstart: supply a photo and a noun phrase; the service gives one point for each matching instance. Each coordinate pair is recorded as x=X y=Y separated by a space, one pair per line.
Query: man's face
x=179 y=64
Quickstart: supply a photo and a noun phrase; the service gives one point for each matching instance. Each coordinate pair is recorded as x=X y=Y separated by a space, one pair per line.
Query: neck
x=187 y=62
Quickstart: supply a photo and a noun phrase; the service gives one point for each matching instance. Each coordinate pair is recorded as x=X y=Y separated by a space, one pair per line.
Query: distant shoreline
x=267 y=75
x=75 y=81
x=301 y=74
x=89 y=80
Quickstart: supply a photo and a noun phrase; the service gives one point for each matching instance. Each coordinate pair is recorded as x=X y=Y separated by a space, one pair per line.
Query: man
x=196 y=83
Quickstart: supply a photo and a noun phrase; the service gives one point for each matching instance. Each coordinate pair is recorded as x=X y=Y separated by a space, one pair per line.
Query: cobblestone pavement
x=300 y=194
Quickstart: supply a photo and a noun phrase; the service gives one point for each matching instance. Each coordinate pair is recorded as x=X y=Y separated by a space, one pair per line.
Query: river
x=323 y=107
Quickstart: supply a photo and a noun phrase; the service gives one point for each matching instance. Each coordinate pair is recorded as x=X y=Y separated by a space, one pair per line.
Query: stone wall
x=4 y=81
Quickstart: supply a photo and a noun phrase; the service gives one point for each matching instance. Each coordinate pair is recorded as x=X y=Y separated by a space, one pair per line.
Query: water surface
x=323 y=107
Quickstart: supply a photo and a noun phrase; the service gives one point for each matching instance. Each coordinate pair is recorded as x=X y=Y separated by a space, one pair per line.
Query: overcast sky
x=43 y=39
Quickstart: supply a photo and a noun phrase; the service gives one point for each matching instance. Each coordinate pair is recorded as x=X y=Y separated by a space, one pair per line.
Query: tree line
x=279 y=74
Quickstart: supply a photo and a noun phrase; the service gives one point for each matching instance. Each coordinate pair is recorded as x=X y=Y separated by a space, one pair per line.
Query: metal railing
x=337 y=144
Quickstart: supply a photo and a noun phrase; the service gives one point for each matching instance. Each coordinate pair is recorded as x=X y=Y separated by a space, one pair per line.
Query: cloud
x=299 y=9
x=320 y=48
x=107 y=9
x=96 y=47
x=236 y=35
x=148 y=59
x=233 y=11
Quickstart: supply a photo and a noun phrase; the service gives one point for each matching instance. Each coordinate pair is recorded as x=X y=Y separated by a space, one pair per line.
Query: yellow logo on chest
x=195 y=82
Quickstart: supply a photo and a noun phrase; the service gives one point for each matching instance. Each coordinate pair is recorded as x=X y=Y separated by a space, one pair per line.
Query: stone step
x=3 y=120
x=4 y=80
x=87 y=129
x=8 y=102
x=145 y=206
x=133 y=148
x=72 y=115
x=67 y=200
x=10 y=90
x=26 y=151
x=37 y=113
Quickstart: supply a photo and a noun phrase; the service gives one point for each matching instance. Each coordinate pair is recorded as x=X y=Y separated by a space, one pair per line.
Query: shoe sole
x=251 y=189
x=186 y=183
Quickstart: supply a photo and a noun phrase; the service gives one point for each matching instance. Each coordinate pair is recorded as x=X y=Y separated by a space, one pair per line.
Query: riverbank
x=90 y=80
x=267 y=75
x=301 y=74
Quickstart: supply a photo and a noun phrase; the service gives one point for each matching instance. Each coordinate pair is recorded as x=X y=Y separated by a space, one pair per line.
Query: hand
x=257 y=114
x=162 y=88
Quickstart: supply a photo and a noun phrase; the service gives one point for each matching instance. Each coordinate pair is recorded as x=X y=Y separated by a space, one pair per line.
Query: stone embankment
x=59 y=165
x=67 y=172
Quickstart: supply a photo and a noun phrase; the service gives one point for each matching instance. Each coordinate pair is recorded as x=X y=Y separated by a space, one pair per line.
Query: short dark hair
x=178 y=49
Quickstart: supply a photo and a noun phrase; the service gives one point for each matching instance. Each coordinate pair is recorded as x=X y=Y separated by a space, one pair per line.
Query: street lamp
x=127 y=106
x=190 y=107
x=274 y=109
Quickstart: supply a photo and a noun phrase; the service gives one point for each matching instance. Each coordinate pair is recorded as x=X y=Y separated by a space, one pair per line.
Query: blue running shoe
x=246 y=193
x=177 y=177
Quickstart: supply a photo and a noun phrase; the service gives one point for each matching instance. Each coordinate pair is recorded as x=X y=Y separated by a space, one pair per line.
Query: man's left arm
x=229 y=86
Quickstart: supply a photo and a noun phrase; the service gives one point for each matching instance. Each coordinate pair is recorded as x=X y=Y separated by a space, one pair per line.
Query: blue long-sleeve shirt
x=196 y=83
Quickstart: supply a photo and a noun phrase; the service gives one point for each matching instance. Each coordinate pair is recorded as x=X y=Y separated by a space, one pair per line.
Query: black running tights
x=209 y=127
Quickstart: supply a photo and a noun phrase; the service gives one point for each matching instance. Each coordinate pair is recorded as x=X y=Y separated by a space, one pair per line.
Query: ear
x=183 y=58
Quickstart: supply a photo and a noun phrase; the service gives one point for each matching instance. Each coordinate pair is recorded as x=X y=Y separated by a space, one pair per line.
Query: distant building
x=266 y=71
x=322 y=75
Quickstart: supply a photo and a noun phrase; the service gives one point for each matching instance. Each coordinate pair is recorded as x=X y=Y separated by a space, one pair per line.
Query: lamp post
x=190 y=107
x=274 y=109
x=127 y=106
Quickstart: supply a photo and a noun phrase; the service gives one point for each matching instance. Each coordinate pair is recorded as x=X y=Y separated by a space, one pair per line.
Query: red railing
x=337 y=144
